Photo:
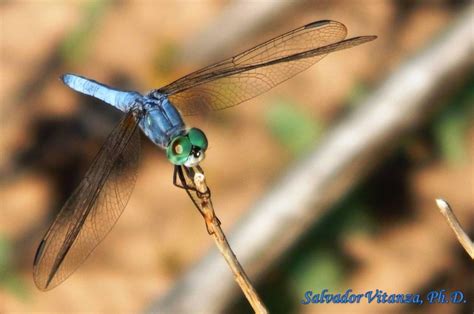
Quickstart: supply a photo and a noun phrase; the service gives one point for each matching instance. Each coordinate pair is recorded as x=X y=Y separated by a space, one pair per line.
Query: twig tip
x=442 y=204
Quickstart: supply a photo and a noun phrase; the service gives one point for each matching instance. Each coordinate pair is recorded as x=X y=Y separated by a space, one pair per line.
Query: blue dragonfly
x=96 y=204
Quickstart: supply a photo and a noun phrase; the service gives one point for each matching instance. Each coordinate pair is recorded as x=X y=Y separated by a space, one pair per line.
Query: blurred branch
x=453 y=222
x=344 y=157
x=227 y=30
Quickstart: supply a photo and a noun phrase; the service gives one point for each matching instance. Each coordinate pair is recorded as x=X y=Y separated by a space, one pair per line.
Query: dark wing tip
x=38 y=256
x=317 y=23
x=39 y=252
x=43 y=287
x=367 y=38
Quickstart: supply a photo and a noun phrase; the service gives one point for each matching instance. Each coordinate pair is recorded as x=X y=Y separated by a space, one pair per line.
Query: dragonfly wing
x=93 y=209
x=257 y=70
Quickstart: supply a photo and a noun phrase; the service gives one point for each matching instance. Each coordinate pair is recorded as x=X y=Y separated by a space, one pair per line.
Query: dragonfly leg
x=175 y=178
x=183 y=178
x=179 y=180
x=181 y=183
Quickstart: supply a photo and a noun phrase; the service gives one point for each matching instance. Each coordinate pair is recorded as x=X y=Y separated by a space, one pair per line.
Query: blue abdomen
x=162 y=121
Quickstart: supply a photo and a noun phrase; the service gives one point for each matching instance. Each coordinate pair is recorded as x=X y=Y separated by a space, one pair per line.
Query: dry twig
x=453 y=222
x=193 y=181
x=214 y=228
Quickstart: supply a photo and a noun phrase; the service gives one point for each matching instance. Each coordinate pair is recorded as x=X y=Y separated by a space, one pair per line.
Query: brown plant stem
x=214 y=228
x=453 y=222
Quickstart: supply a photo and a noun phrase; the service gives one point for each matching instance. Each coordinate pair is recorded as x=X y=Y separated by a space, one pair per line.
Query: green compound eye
x=179 y=149
x=197 y=138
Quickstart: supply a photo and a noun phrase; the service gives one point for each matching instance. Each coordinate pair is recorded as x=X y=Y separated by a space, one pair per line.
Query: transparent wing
x=93 y=209
x=257 y=70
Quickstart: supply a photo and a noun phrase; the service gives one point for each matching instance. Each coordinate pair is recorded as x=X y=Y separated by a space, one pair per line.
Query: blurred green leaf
x=74 y=46
x=358 y=93
x=451 y=128
x=5 y=251
x=165 y=58
x=449 y=135
x=357 y=220
x=8 y=277
x=317 y=271
x=316 y=263
x=292 y=127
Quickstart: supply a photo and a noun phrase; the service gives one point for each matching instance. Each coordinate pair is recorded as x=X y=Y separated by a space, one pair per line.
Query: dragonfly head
x=189 y=149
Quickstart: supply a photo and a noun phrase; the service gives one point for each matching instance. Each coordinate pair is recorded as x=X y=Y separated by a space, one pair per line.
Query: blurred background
x=376 y=234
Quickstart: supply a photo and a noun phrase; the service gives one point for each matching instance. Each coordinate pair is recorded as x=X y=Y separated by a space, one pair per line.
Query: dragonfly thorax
x=161 y=122
x=163 y=125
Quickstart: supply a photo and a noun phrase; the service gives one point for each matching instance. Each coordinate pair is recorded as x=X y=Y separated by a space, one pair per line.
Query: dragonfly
x=96 y=204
